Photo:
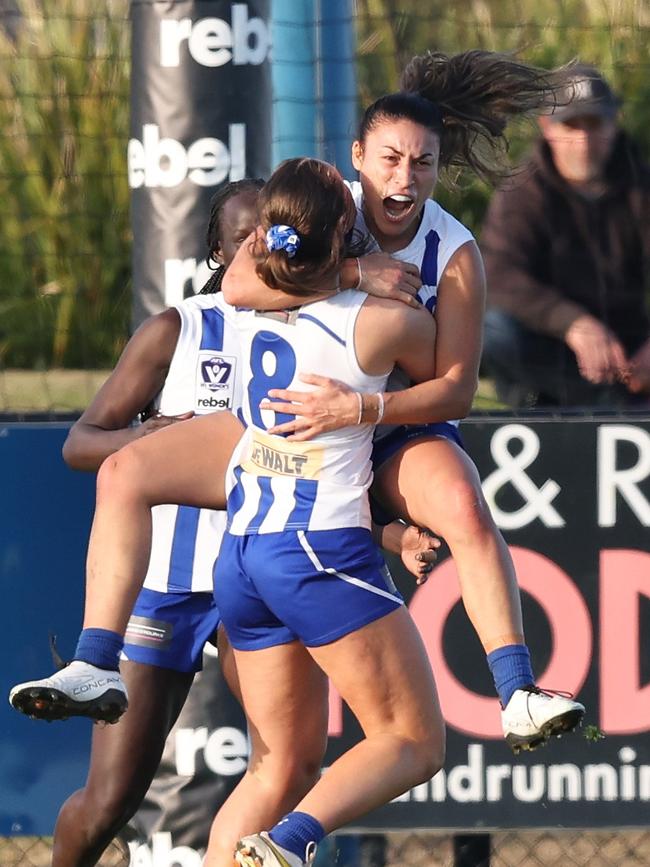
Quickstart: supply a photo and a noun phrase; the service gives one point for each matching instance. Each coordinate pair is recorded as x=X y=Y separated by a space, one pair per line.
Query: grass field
x=69 y=391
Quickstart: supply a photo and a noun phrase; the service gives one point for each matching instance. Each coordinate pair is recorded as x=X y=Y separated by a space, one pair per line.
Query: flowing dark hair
x=467 y=99
x=213 y=233
x=309 y=196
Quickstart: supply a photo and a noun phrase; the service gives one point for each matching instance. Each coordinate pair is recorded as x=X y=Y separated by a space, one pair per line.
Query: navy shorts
x=169 y=630
x=313 y=586
x=384 y=448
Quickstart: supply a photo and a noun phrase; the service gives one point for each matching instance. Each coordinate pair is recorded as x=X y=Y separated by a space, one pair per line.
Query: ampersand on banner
x=511 y=472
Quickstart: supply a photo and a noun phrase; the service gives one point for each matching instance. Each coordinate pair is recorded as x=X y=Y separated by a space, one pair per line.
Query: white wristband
x=358 y=286
x=360 y=399
x=380 y=407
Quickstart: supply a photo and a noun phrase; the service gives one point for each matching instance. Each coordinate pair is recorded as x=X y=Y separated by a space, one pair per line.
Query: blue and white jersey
x=276 y=484
x=204 y=376
x=438 y=237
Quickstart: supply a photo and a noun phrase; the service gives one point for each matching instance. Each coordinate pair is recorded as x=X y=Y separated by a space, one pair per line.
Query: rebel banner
x=200 y=117
x=572 y=497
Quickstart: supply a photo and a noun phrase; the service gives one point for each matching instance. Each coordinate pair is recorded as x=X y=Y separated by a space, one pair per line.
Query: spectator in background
x=567 y=252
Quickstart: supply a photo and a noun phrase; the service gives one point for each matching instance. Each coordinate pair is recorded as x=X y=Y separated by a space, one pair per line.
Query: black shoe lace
x=57 y=659
x=549 y=692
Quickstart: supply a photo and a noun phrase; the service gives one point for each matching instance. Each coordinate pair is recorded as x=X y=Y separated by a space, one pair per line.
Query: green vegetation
x=65 y=242
x=65 y=238
x=548 y=33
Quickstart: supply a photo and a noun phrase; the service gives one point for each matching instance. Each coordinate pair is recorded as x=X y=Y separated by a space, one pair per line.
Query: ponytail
x=468 y=100
x=478 y=93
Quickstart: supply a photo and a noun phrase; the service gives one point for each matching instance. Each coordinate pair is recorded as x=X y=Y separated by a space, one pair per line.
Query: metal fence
x=612 y=848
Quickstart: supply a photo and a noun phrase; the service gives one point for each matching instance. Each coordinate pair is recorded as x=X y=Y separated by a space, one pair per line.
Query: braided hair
x=213 y=240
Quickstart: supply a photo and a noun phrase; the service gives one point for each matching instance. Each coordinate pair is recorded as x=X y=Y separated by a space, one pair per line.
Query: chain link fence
x=623 y=848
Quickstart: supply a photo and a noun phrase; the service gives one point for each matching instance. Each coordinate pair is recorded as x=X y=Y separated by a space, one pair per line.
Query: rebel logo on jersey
x=215 y=378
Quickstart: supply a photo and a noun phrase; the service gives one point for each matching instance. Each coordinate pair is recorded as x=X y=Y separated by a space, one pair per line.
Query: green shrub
x=65 y=236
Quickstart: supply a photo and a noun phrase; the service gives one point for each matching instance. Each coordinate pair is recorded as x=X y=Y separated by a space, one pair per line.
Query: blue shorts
x=383 y=449
x=313 y=586
x=169 y=630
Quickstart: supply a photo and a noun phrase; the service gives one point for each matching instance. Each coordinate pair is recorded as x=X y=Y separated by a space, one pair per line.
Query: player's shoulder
x=445 y=224
x=389 y=314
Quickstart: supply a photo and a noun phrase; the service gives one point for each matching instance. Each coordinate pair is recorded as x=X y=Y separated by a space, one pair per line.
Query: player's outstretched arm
x=139 y=375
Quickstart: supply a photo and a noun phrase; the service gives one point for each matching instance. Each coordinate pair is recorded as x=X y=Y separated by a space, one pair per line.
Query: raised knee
x=117 y=475
x=467 y=512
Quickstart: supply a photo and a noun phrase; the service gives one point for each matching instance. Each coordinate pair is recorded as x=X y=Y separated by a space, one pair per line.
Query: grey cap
x=585 y=92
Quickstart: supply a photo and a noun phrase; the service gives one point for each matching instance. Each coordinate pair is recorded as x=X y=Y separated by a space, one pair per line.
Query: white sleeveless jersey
x=437 y=239
x=204 y=376
x=276 y=484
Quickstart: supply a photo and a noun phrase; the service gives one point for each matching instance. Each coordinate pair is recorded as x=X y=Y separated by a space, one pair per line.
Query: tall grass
x=64 y=232
x=64 y=104
x=614 y=35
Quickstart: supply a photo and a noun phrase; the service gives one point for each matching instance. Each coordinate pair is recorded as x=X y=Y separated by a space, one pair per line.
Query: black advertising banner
x=200 y=117
x=573 y=500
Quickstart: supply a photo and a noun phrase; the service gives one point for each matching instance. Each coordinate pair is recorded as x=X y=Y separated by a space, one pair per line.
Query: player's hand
x=158 y=421
x=599 y=354
x=330 y=406
x=639 y=381
x=385 y=277
x=419 y=552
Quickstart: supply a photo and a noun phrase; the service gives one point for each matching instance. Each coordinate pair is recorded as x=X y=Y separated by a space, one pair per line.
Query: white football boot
x=79 y=689
x=258 y=850
x=532 y=716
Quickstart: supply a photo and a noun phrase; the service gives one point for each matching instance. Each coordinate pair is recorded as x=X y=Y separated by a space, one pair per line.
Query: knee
x=290 y=775
x=426 y=756
x=467 y=515
x=118 y=475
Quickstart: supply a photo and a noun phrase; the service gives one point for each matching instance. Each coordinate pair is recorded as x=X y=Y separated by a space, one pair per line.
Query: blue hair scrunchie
x=283 y=238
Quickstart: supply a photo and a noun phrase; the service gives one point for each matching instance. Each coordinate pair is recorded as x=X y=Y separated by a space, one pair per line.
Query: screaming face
x=398 y=169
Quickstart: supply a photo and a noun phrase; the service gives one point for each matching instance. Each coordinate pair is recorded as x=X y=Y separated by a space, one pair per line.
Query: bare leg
x=123 y=760
x=286 y=756
x=383 y=673
x=184 y=463
x=434 y=484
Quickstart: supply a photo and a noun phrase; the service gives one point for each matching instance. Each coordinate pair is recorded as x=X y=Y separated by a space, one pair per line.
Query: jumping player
x=451 y=113
x=182 y=361
x=299 y=575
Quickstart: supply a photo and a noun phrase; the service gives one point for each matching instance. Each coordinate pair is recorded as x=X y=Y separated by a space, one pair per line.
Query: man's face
x=581 y=146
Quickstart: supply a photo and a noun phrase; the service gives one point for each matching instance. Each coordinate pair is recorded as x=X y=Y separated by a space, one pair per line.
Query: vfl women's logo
x=215 y=381
x=216 y=372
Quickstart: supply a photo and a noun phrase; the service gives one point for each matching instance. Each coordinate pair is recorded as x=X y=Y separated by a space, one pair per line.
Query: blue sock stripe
x=295 y=831
x=511 y=669
x=100 y=647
